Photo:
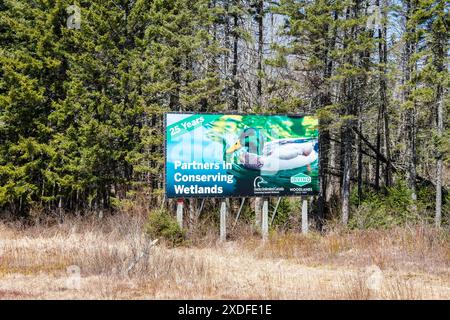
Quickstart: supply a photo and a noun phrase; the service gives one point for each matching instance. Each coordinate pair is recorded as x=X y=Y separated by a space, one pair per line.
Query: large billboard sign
x=237 y=155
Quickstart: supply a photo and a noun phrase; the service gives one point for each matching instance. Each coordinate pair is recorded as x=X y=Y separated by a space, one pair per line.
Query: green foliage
x=247 y=214
x=395 y=207
x=288 y=208
x=81 y=110
x=446 y=210
x=162 y=225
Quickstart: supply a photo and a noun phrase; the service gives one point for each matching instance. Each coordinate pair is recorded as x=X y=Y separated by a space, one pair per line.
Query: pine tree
x=431 y=23
x=333 y=48
x=81 y=109
x=32 y=72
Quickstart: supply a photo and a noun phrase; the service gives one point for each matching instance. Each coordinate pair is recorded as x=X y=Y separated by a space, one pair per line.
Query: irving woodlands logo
x=301 y=179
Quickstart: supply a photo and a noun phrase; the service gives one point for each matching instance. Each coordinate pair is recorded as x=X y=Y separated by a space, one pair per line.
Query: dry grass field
x=111 y=258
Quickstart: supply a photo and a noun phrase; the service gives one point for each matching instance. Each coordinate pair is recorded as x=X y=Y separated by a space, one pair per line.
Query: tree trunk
x=260 y=21
x=382 y=51
x=226 y=59
x=441 y=40
x=360 y=162
x=383 y=118
x=235 y=63
x=439 y=161
x=347 y=166
x=378 y=146
x=324 y=137
x=410 y=123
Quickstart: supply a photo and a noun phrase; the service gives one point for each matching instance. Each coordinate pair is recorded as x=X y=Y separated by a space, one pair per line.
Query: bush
x=162 y=225
x=395 y=208
x=287 y=213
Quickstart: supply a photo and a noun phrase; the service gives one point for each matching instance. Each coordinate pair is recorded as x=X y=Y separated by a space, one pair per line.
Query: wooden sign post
x=180 y=213
x=223 y=221
x=304 y=215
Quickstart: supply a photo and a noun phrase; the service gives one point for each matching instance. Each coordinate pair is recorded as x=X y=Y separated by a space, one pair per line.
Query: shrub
x=163 y=226
x=288 y=210
x=396 y=207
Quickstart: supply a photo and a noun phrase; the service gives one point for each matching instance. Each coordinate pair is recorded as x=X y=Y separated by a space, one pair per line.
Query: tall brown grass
x=117 y=260
x=414 y=248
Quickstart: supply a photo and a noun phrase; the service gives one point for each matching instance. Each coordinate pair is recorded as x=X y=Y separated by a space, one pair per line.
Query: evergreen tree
x=32 y=72
x=332 y=47
x=82 y=101
x=432 y=22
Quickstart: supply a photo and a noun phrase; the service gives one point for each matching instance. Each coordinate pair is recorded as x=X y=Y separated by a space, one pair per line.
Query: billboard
x=240 y=155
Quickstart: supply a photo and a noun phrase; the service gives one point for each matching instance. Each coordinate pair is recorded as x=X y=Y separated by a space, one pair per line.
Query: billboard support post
x=265 y=219
x=258 y=212
x=223 y=221
x=304 y=215
x=180 y=213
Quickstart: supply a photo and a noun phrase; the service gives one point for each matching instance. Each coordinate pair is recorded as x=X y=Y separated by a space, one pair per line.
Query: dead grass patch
x=116 y=262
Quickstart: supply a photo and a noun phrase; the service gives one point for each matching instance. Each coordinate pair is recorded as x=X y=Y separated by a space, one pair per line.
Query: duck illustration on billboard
x=220 y=155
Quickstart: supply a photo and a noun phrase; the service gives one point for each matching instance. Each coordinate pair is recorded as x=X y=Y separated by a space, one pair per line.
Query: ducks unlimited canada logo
x=301 y=179
x=261 y=186
x=259 y=182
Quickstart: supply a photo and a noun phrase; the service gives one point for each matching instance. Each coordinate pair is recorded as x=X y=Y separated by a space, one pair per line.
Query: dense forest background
x=84 y=85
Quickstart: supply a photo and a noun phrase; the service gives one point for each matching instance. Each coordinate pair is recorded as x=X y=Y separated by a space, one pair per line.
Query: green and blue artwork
x=230 y=155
